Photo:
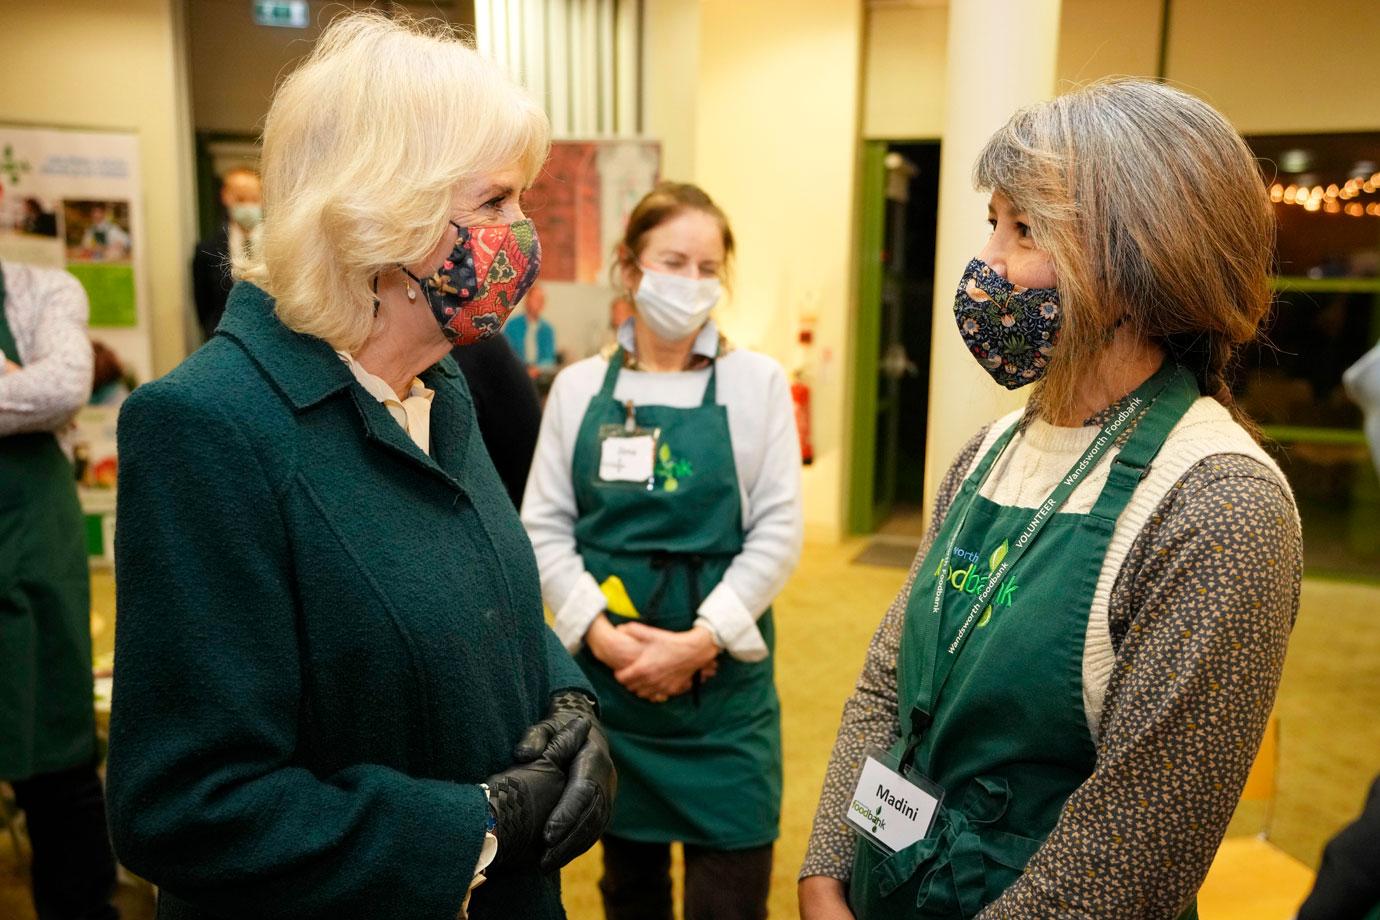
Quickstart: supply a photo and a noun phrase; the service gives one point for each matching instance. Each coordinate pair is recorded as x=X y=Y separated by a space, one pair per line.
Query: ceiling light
x=1295 y=160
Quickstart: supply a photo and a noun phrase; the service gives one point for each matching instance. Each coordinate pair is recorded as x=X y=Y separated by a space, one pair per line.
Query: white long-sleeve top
x=47 y=311
x=766 y=451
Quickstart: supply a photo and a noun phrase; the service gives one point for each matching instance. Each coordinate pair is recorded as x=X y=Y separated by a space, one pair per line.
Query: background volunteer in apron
x=664 y=506
x=1087 y=679
x=335 y=694
x=47 y=725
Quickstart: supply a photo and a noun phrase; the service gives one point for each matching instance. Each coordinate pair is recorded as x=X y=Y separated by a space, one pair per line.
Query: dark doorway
x=893 y=367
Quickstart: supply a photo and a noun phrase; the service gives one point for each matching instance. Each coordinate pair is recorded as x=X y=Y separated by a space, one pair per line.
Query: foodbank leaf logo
x=998 y=555
x=11 y=167
x=671 y=470
x=971 y=580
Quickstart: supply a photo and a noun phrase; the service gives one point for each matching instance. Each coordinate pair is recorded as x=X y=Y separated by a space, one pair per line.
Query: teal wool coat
x=326 y=639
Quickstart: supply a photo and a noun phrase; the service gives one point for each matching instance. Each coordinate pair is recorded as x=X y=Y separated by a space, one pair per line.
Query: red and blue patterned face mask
x=1011 y=331
x=481 y=281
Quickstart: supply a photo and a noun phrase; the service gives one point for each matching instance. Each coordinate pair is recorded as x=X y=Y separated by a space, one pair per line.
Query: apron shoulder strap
x=611 y=375
x=711 y=387
x=1132 y=462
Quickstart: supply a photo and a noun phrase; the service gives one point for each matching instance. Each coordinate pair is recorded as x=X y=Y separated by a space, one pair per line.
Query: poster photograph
x=100 y=255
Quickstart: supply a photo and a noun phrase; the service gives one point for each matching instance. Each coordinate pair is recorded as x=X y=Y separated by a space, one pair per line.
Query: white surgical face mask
x=675 y=307
x=247 y=216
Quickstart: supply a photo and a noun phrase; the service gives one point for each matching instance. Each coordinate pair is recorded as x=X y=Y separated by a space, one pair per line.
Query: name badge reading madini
x=627 y=459
x=890 y=810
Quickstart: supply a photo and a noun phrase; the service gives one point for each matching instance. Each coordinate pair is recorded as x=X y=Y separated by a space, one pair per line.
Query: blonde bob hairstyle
x=362 y=150
x=1155 y=214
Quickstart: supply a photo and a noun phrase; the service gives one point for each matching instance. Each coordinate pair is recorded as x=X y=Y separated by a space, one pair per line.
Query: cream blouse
x=412 y=413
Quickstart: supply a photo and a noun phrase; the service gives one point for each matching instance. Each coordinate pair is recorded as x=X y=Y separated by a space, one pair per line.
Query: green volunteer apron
x=990 y=688
x=46 y=705
x=704 y=767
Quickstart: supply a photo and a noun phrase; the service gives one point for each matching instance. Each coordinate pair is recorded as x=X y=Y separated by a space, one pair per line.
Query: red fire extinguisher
x=800 y=395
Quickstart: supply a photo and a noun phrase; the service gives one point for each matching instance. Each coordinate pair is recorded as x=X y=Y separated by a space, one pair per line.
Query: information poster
x=580 y=204
x=72 y=200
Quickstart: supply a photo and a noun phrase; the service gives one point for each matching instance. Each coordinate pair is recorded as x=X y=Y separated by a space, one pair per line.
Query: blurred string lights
x=1332 y=198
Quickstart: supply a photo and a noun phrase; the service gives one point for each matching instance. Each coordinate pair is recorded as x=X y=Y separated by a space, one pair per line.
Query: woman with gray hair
x=1058 y=712
x=335 y=695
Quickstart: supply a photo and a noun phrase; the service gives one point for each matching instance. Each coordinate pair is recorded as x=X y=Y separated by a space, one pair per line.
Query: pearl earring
x=411 y=294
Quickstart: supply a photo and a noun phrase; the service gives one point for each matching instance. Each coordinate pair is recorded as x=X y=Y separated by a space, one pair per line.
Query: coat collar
x=304 y=368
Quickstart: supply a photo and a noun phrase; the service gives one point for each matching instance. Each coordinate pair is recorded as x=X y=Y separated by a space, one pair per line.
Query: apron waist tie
x=956 y=846
x=959 y=850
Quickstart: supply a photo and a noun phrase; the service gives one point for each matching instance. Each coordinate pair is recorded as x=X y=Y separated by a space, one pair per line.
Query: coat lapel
x=381 y=429
x=307 y=372
x=302 y=367
x=451 y=420
x=452 y=417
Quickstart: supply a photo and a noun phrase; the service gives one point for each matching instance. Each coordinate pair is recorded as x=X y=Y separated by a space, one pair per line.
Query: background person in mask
x=1086 y=651
x=335 y=694
x=664 y=507
x=228 y=252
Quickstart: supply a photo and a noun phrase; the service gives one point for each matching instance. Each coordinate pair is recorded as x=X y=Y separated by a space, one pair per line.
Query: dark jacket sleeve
x=506 y=403
x=564 y=673
x=211 y=281
x=205 y=797
x=1348 y=883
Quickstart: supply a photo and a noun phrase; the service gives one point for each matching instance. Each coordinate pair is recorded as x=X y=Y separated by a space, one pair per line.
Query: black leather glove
x=524 y=795
x=584 y=809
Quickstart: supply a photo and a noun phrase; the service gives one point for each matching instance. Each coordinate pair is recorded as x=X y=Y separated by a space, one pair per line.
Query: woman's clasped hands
x=655 y=664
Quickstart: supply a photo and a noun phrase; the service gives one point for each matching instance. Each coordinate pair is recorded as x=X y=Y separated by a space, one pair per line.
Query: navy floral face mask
x=1011 y=332
x=488 y=271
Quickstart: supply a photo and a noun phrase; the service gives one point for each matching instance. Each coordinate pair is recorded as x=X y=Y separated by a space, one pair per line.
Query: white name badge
x=890 y=810
x=627 y=459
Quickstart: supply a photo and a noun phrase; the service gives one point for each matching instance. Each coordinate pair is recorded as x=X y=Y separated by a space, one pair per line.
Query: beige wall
x=670 y=58
x=1098 y=39
x=138 y=85
x=236 y=64
x=903 y=72
x=1272 y=66
x=776 y=126
x=1281 y=66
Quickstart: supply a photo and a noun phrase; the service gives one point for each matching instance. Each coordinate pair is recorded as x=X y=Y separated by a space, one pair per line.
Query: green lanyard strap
x=1127 y=471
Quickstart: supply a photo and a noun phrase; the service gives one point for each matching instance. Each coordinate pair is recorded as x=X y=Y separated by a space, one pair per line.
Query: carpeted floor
x=1329 y=737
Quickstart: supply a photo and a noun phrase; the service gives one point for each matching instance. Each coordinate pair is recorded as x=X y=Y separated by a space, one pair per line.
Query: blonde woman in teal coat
x=335 y=695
